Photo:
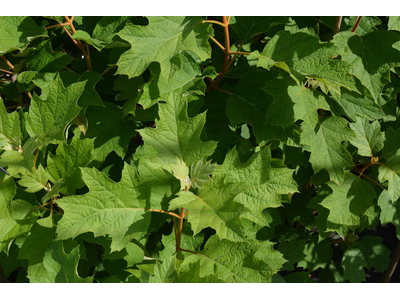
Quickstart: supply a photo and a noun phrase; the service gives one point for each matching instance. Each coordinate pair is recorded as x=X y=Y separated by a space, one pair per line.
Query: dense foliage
x=199 y=149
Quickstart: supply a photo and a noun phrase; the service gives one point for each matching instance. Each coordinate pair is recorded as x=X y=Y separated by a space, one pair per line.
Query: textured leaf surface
x=349 y=200
x=237 y=262
x=116 y=209
x=176 y=135
x=371 y=55
x=261 y=184
x=17 y=32
x=390 y=172
x=50 y=117
x=369 y=138
x=161 y=40
x=327 y=151
x=213 y=207
x=303 y=53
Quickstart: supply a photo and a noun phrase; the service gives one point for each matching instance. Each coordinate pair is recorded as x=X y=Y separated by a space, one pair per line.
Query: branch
x=358 y=20
x=337 y=25
x=214 y=22
x=164 y=212
x=392 y=265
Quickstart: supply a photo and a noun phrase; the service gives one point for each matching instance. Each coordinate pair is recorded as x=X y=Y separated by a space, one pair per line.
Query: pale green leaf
x=35 y=181
x=390 y=172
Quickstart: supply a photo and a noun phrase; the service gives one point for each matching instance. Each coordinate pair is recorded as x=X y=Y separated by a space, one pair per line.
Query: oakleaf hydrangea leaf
x=249 y=104
x=58 y=266
x=213 y=207
x=10 y=128
x=376 y=254
x=109 y=208
x=181 y=172
x=261 y=184
x=349 y=200
x=186 y=80
x=104 y=33
x=390 y=211
x=17 y=32
x=394 y=23
x=65 y=164
x=317 y=254
x=371 y=55
x=161 y=41
x=302 y=53
x=353 y=263
x=36 y=181
x=176 y=135
x=237 y=262
x=200 y=173
x=369 y=138
x=44 y=59
x=390 y=171
x=51 y=117
x=111 y=133
x=327 y=151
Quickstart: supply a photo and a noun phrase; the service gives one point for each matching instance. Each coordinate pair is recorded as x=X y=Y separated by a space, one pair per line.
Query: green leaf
x=237 y=262
x=17 y=32
x=165 y=272
x=246 y=27
x=162 y=40
x=186 y=80
x=200 y=173
x=390 y=172
x=58 y=266
x=249 y=104
x=36 y=181
x=390 y=211
x=302 y=54
x=104 y=33
x=176 y=135
x=261 y=183
x=371 y=56
x=67 y=161
x=376 y=254
x=44 y=59
x=353 y=263
x=111 y=133
x=109 y=208
x=317 y=254
x=51 y=117
x=394 y=23
x=354 y=104
x=10 y=128
x=369 y=138
x=213 y=207
x=181 y=172
x=327 y=151
x=349 y=200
